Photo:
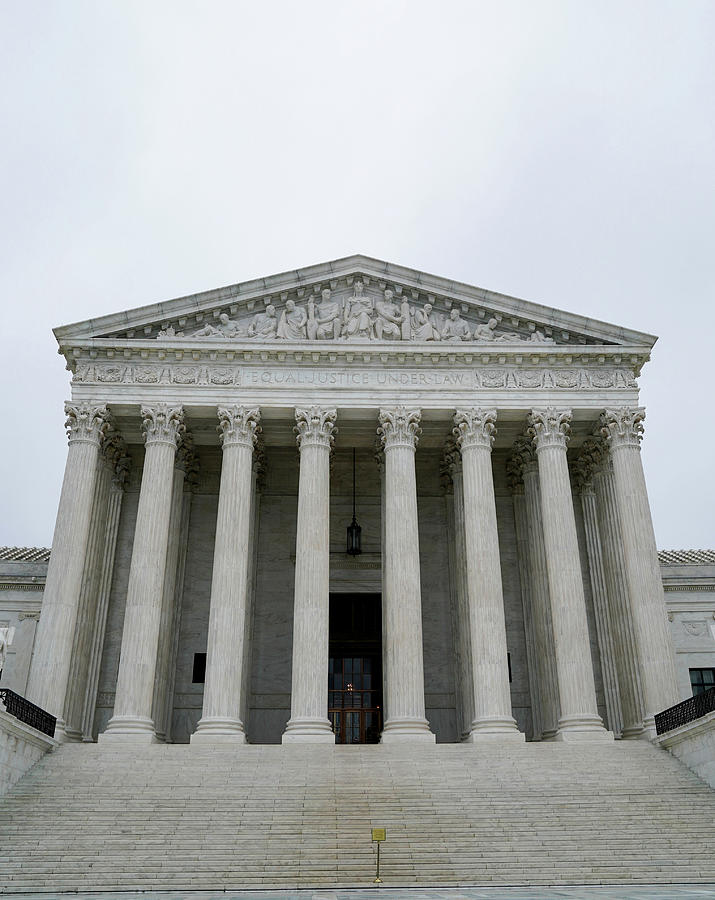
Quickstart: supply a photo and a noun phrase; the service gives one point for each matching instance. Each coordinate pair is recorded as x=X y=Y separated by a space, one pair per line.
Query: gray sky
x=558 y=151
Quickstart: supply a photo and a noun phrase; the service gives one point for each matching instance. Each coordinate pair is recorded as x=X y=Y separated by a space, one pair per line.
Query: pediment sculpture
x=358 y=317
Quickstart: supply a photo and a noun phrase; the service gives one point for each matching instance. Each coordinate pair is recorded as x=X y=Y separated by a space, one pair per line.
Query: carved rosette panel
x=238 y=425
x=315 y=427
x=475 y=428
x=117 y=458
x=162 y=424
x=399 y=427
x=623 y=426
x=549 y=427
x=87 y=422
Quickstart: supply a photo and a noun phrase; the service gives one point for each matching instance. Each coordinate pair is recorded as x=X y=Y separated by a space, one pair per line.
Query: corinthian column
x=162 y=426
x=223 y=691
x=579 y=719
x=462 y=644
x=47 y=686
x=582 y=472
x=309 y=722
x=402 y=614
x=184 y=463
x=543 y=624
x=623 y=430
x=474 y=432
x=619 y=602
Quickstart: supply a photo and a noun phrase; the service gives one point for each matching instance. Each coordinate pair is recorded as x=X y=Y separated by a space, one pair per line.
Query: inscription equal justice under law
x=338 y=379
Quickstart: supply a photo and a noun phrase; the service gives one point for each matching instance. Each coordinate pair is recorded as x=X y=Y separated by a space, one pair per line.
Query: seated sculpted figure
x=291 y=326
x=226 y=328
x=264 y=324
x=455 y=328
x=538 y=337
x=324 y=318
x=358 y=315
x=389 y=319
x=485 y=333
x=423 y=328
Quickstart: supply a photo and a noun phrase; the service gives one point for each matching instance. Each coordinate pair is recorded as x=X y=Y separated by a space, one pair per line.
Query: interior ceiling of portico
x=355 y=427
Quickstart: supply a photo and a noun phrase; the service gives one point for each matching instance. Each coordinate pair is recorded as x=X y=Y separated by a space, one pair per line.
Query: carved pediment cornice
x=351 y=303
x=430 y=354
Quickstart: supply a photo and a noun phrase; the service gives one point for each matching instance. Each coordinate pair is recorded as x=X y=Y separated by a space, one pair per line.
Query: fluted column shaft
x=541 y=604
x=626 y=655
x=221 y=717
x=623 y=430
x=87 y=607
x=257 y=474
x=464 y=645
x=522 y=549
x=114 y=507
x=132 y=718
x=47 y=685
x=402 y=614
x=474 y=431
x=311 y=607
x=601 y=609
x=163 y=656
x=579 y=719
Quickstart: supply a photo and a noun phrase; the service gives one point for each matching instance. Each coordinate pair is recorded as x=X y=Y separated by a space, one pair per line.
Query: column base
x=219 y=730
x=649 y=733
x=633 y=733
x=128 y=730
x=407 y=729
x=61 y=734
x=303 y=730
x=495 y=730
x=581 y=729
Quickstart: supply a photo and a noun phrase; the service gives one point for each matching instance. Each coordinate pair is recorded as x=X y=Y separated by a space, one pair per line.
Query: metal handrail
x=687 y=711
x=27 y=712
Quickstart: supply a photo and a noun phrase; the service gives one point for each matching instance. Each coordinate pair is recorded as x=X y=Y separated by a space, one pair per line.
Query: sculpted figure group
x=358 y=318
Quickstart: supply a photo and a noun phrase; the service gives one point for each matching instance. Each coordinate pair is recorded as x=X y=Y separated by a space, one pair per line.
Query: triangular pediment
x=352 y=300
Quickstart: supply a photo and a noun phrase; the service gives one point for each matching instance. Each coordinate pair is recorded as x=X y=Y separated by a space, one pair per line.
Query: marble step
x=272 y=817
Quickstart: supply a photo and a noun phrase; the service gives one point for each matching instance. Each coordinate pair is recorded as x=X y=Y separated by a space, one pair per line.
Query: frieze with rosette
x=508 y=379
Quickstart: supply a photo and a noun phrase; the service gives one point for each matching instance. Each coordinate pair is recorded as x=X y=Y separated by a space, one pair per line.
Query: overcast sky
x=562 y=152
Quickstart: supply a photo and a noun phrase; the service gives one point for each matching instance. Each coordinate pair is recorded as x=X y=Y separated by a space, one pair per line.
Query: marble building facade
x=199 y=589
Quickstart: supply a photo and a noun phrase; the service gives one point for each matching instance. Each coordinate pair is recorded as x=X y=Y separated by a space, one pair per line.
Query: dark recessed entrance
x=355 y=670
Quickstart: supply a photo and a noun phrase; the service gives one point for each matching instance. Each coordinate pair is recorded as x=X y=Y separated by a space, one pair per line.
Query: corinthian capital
x=475 y=428
x=549 y=427
x=187 y=460
x=399 y=427
x=162 y=423
x=315 y=427
x=238 y=425
x=587 y=463
x=450 y=464
x=117 y=457
x=623 y=426
x=86 y=422
x=522 y=455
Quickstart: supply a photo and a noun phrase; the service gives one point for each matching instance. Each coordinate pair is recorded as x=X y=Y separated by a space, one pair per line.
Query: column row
x=624 y=570
x=634 y=642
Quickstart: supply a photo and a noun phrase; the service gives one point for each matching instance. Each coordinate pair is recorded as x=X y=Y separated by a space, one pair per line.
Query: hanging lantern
x=354 y=530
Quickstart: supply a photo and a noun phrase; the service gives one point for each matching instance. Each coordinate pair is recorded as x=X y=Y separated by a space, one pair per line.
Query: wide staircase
x=180 y=817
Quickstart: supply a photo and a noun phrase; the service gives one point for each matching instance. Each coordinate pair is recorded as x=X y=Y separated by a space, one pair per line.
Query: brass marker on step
x=378 y=835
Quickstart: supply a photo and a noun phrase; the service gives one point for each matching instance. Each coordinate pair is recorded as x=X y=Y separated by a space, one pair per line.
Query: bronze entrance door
x=354 y=699
x=355 y=668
